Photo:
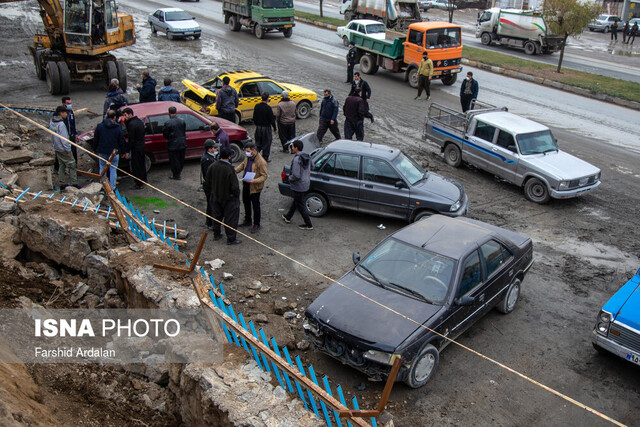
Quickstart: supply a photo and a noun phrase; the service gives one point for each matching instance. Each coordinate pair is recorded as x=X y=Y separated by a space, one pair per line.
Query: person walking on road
x=329 y=109
x=351 y=62
x=625 y=32
x=107 y=137
x=252 y=187
x=614 y=30
x=354 y=110
x=209 y=157
x=63 y=148
x=299 y=179
x=264 y=120
x=175 y=132
x=227 y=101
x=220 y=136
x=135 y=135
x=365 y=93
x=222 y=183
x=286 y=118
x=633 y=33
x=168 y=92
x=425 y=71
x=468 y=91
x=147 y=90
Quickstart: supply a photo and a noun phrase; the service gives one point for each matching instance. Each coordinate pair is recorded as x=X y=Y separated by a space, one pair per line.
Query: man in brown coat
x=252 y=186
x=286 y=118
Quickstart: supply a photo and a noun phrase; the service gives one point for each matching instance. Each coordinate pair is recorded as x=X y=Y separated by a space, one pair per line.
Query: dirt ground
x=585 y=249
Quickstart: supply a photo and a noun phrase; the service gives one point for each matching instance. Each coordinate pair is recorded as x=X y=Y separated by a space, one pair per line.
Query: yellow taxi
x=249 y=85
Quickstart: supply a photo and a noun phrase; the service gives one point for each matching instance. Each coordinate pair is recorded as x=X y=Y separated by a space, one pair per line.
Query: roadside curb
x=521 y=76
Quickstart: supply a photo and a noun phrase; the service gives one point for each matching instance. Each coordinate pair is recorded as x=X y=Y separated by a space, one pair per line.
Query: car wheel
x=303 y=109
x=53 y=78
x=122 y=75
x=196 y=36
x=147 y=162
x=412 y=77
x=510 y=299
x=345 y=40
x=452 y=155
x=449 y=79
x=486 y=39
x=238 y=152
x=606 y=30
x=536 y=191
x=238 y=117
x=530 y=48
x=153 y=29
x=169 y=36
x=288 y=32
x=422 y=215
x=591 y=29
x=423 y=367
x=368 y=64
x=601 y=351
x=65 y=77
x=316 y=204
x=259 y=31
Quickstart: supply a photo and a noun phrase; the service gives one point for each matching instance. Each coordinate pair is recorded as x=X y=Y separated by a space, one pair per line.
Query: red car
x=155 y=114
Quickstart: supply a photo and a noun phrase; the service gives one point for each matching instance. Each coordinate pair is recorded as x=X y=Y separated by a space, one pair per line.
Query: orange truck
x=441 y=40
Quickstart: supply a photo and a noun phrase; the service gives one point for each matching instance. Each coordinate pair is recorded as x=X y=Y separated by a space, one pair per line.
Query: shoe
x=177 y=178
x=285 y=219
x=234 y=242
x=428 y=98
x=245 y=224
x=305 y=227
x=371 y=119
x=255 y=228
x=418 y=98
x=217 y=236
x=63 y=186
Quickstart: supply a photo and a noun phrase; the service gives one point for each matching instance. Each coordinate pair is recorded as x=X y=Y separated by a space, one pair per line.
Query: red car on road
x=155 y=114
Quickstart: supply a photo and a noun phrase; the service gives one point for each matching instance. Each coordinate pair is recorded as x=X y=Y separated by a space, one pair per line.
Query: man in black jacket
x=222 y=183
x=135 y=136
x=208 y=158
x=365 y=93
x=354 y=116
x=107 y=137
x=175 y=131
x=351 y=62
x=148 y=88
x=264 y=120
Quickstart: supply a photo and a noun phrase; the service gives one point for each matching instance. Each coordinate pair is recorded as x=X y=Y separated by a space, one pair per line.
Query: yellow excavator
x=78 y=37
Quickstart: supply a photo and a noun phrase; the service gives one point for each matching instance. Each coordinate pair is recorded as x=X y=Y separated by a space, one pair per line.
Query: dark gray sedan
x=379 y=180
x=418 y=288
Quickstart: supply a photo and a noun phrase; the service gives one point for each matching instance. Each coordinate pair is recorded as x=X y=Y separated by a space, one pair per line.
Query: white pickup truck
x=511 y=147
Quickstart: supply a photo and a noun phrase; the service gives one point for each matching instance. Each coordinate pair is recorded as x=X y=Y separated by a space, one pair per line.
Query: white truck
x=396 y=14
x=516 y=149
x=517 y=28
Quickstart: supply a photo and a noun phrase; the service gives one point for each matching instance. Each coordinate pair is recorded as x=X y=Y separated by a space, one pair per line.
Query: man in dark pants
x=354 y=116
x=365 y=93
x=147 y=90
x=299 y=180
x=135 y=132
x=425 y=71
x=351 y=62
x=286 y=118
x=227 y=101
x=625 y=31
x=107 y=137
x=614 y=30
x=209 y=157
x=222 y=183
x=175 y=132
x=220 y=135
x=264 y=120
x=468 y=91
x=70 y=123
x=329 y=109
x=633 y=33
x=251 y=188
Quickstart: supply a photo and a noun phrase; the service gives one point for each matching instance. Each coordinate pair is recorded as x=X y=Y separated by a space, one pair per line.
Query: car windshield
x=408 y=269
x=602 y=17
x=178 y=16
x=376 y=28
x=536 y=142
x=277 y=4
x=408 y=168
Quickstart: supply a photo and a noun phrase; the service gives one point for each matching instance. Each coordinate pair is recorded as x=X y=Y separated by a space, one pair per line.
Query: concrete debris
x=79 y=291
x=279 y=307
x=10 y=140
x=303 y=345
x=9 y=179
x=36 y=179
x=256 y=285
x=215 y=263
x=290 y=315
x=261 y=318
x=227 y=276
x=7 y=208
x=23 y=128
x=42 y=161
x=156 y=211
x=265 y=289
x=16 y=156
x=98 y=273
x=92 y=192
x=10 y=243
x=249 y=293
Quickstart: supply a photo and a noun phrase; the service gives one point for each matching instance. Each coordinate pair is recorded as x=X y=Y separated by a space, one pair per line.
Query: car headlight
x=378 y=356
x=564 y=185
x=604 y=321
x=598 y=176
x=454 y=207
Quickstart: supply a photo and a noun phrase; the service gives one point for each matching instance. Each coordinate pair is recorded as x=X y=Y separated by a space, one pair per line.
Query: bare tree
x=452 y=5
x=568 y=18
x=321 y=15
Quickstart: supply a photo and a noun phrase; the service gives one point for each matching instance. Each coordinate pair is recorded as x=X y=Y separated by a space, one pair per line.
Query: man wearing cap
x=424 y=76
x=286 y=118
x=208 y=158
x=220 y=136
x=351 y=62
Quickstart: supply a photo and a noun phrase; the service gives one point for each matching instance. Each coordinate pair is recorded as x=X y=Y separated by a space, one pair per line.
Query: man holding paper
x=253 y=178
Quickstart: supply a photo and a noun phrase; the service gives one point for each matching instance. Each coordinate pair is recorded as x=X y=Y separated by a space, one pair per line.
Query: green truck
x=260 y=16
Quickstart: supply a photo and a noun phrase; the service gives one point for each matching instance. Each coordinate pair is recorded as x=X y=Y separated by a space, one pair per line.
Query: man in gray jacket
x=286 y=119
x=299 y=179
x=63 y=148
x=227 y=101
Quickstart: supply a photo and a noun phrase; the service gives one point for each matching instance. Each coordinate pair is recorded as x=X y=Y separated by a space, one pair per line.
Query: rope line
x=324 y=276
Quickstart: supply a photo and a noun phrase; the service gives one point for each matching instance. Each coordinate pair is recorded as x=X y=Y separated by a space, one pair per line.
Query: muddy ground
x=585 y=248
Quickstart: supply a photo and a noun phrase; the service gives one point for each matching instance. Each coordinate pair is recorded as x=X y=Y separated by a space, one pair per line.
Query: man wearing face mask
x=252 y=187
x=468 y=91
x=220 y=135
x=328 y=116
x=70 y=123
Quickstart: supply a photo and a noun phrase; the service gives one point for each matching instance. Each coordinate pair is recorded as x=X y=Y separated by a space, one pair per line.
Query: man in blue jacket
x=168 y=93
x=328 y=116
x=468 y=91
x=108 y=137
x=148 y=88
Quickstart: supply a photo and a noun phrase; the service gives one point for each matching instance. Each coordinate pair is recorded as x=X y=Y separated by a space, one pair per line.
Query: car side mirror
x=356 y=257
x=193 y=17
x=512 y=148
x=465 y=300
x=401 y=184
x=204 y=127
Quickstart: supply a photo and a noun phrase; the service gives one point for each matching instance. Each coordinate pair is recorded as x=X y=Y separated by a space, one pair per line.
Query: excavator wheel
x=111 y=71
x=65 y=77
x=122 y=74
x=37 y=62
x=53 y=78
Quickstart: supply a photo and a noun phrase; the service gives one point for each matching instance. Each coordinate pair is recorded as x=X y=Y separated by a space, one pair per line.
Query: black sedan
x=379 y=180
x=440 y=274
